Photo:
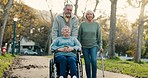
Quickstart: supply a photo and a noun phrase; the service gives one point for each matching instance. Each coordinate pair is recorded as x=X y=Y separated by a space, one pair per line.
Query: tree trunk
x=50 y=38
x=140 y=33
x=6 y=12
x=97 y=1
x=76 y=7
x=112 y=34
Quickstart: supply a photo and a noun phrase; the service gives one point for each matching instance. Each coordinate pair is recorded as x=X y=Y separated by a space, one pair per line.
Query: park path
x=38 y=67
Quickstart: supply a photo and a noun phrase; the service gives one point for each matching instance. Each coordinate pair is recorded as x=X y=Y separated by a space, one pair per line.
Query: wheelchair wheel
x=80 y=69
x=52 y=73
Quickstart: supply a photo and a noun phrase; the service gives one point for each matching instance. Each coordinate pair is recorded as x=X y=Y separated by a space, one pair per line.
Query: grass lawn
x=5 y=61
x=138 y=70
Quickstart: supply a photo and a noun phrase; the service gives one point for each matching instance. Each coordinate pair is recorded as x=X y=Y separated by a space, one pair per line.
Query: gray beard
x=68 y=15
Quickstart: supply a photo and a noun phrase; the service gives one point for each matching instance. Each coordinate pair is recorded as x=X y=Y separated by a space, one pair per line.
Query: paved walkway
x=38 y=67
x=108 y=74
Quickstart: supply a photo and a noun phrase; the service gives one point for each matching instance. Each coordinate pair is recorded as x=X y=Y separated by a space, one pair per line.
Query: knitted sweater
x=59 y=23
x=89 y=35
x=61 y=42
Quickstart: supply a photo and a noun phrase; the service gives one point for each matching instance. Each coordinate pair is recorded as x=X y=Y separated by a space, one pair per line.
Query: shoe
x=74 y=77
x=61 y=77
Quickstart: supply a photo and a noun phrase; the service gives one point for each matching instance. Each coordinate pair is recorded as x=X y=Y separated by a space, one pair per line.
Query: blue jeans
x=90 y=57
x=64 y=61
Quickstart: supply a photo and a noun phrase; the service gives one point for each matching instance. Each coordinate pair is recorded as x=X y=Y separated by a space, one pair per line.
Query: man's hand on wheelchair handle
x=101 y=50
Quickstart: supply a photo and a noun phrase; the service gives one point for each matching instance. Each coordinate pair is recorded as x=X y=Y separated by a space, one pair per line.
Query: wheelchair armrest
x=75 y=51
x=79 y=51
x=54 y=51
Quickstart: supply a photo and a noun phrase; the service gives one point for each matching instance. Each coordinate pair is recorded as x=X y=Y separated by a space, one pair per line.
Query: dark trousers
x=63 y=61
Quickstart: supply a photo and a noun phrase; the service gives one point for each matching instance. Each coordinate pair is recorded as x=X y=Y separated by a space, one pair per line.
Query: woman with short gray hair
x=64 y=47
x=90 y=38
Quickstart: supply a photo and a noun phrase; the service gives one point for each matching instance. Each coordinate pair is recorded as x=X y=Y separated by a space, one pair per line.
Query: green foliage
x=28 y=19
x=130 y=53
x=139 y=70
x=5 y=61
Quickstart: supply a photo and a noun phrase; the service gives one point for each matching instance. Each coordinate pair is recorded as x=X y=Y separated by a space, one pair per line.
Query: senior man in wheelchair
x=65 y=48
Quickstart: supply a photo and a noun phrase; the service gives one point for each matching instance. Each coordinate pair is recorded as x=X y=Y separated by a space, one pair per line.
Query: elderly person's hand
x=69 y=49
x=66 y=49
x=62 y=49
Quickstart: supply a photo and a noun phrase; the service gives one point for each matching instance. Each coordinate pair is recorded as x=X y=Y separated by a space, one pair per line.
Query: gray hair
x=64 y=28
x=89 y=11
x=68 y=5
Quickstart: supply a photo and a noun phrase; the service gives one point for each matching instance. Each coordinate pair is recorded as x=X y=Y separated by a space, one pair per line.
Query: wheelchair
x=53 y=72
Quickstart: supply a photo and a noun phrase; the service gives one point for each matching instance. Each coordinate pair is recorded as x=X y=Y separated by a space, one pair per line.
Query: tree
x=97 y=1
x=122 y=37
x=76 y=7
x=5 y=16
x=142 y=4
x=112 y=34
x=140 y=31
x=27 y=20
x=145 y=52
x=52 y=15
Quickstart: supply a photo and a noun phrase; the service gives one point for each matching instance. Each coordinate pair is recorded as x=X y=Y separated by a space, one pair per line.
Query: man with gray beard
x=65 y=19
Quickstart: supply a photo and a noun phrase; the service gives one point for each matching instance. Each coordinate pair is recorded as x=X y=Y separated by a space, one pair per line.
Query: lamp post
x=18 y=52
x=19 y=47
x=14 y=36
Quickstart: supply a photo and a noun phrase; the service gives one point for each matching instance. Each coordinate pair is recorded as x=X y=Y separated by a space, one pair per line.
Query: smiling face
x=89 y=15
x=68 y=10
x=66 y=31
